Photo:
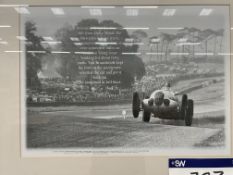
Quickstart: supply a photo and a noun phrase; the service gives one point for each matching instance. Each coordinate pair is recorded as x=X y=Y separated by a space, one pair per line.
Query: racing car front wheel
x=146 y=116
x=184 y=102
x=136 y=105
x=189 y=113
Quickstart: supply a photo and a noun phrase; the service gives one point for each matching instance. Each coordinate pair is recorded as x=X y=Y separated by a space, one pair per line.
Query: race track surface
x=105 y=127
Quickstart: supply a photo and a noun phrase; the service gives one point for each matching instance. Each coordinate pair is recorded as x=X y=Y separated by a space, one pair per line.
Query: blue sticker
x=201 y=163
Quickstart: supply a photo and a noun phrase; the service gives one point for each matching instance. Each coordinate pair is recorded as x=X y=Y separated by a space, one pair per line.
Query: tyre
x=136 y=105
x=184 y=102
x=189 y=114
x=146 y=116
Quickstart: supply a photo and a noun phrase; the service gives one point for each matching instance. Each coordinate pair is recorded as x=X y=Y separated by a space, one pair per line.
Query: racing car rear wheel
x=184 y=106
x=146 y=116
x=136 y=104
x=189 y=114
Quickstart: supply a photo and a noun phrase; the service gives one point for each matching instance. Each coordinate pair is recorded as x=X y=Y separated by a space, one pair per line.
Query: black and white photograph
x=125 y=79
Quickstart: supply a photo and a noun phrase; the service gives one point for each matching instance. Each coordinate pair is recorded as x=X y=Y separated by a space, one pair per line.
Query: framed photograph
x=115 y=87
x=148 y=80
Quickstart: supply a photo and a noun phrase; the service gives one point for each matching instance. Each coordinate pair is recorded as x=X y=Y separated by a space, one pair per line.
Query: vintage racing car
x=163 y=104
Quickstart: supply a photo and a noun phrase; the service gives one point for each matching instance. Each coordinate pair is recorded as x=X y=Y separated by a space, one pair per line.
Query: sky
x=185 y=16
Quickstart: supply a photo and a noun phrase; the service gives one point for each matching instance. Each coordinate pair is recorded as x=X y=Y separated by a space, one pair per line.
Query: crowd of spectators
x=67 y=91
x=70 y=95
x=158 y=75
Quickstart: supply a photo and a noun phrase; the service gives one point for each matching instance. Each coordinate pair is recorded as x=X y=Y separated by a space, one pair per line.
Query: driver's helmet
x=168 y=85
